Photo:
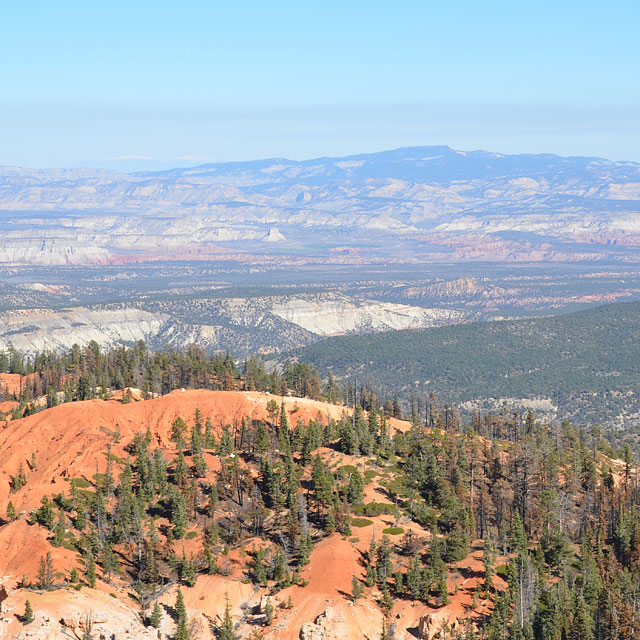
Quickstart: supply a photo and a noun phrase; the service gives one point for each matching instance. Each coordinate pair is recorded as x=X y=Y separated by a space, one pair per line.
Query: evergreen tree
x=179 y=518
x=109 y=562
x=182 y=622
x=456 y=545
x=441 y=588
x=304 y=549
x=226 y=629
x=517 y=534
x=225 y=446
x=257 y=571
x=355 y=488
x=155 y=620
x=178 y=432
x=59 y=530
x=209 y=437
x=356 y=588
x=44 y=514
x=268 y=612
x=284 y=436
x=196 y=434
x=582 y=627
x=213 y=500
x=45 y=575
x=261 y=444
x=11 y=512
x=488 y=562
x=547 y=616
x=90 y=571
x=28 y=616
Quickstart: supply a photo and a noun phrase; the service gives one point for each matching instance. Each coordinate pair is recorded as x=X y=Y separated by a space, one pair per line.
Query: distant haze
x=147 y=85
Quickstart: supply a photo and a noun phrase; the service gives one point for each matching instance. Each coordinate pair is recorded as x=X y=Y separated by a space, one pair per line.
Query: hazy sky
x=138 y=84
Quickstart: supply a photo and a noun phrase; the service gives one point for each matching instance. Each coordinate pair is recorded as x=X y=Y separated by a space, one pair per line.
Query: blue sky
x=134 y=85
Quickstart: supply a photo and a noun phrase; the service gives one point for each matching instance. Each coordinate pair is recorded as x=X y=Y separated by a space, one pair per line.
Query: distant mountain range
x=410 y=204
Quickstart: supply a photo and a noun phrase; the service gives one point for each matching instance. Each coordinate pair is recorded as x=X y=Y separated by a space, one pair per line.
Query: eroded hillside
x=266 y=324
x=227 y=514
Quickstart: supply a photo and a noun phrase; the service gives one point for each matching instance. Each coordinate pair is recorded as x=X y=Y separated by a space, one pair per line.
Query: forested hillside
x=230 y=513
x=587 y=363
x=213 y=514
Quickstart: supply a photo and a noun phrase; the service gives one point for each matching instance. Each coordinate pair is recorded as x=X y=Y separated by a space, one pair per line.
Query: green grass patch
x=346 y=470
x=369 y=475
x=191 y=535
x=397 y=487
x=361 y=522
x=393 y=531
x=80 y=483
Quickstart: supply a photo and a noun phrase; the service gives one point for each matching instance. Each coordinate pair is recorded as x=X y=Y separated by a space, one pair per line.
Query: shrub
x=393 y=531
x=373 y=509
x=361 y=522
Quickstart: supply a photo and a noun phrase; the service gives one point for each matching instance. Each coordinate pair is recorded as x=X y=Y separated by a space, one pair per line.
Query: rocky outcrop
x=336 y=314
x=327 y=626
x=45 y=329
x=268 y=324
x=434 y=626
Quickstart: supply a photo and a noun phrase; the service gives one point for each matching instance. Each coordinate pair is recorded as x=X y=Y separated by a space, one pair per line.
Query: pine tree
x=182 y=622
x=90 y=571
x=59 y=530
x=52 y=397
x=11 y=512
x=155 y=619
x=517 y=534
x=209 y=437
x=213 y=500
x=414 y=577
x=262 y=438
x=188 y=571
x=398 y=579
x=386 y=602
x=441 y=589
x=181 y=472
x=178 y=430
x=226 y=629
x=225 y=447
x=284 y=436
x=196 y=434
x=355 y=488
x=487 y=561
x=356 y=588
x=44 y=514
x=305 y=546
x=582 y=627
x=28 y=616
x=45 y=573
x=179 y=518
x=268 y=612
x=109 y=562
x=258 y=572
x=457 y=545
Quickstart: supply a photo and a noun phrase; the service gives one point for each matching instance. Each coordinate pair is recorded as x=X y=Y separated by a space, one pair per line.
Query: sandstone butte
x=70 y=441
